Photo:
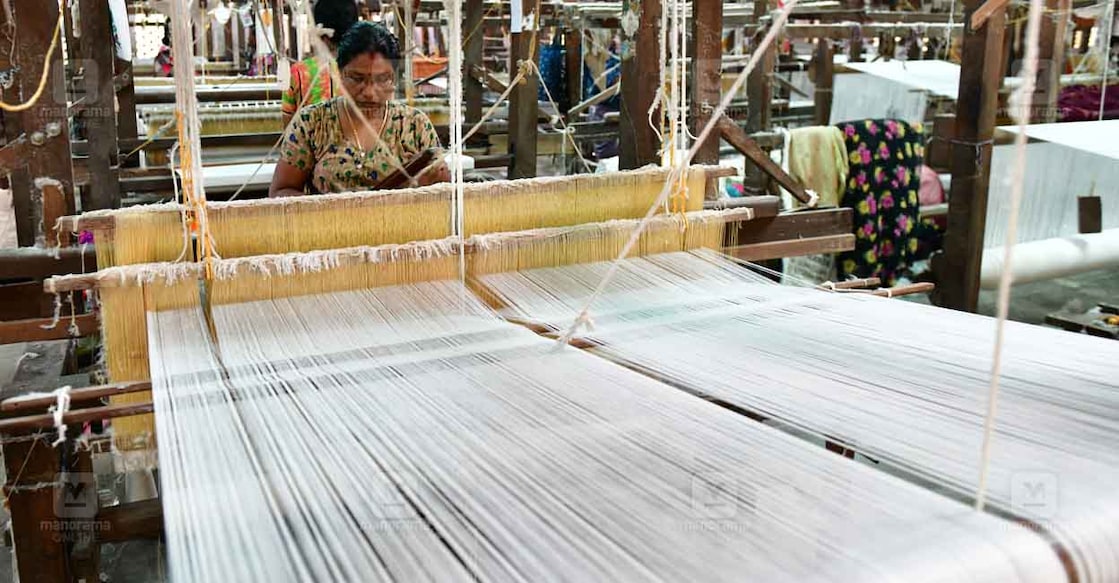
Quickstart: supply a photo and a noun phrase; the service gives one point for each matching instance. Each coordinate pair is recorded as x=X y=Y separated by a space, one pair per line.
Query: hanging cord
x=1021 y=104
x=454 y=98
x=948 y=30
x=46 y=71
x=777 y=24
x=58 y=410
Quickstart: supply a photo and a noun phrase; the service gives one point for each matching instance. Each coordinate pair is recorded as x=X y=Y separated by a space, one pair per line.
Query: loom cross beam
x=742 y=142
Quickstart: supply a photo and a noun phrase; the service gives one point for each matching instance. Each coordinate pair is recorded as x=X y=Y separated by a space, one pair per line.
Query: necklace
x=361 y=152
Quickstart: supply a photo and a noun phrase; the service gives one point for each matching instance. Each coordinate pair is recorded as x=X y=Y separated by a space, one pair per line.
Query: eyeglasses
x=383 y=80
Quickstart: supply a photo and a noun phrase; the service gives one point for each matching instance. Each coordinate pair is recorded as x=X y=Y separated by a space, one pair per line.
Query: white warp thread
x=397 y=434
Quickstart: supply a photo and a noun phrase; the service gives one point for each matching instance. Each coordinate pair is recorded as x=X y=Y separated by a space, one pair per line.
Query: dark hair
x=337 y=15
x=367 y=38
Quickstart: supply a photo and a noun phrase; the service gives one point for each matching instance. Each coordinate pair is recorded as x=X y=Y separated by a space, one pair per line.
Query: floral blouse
x=310 y=84
x=315 y=143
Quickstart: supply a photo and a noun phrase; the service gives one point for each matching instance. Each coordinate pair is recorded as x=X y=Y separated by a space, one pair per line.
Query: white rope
x=1021 y=108
x=58 y=411
x=454 y=93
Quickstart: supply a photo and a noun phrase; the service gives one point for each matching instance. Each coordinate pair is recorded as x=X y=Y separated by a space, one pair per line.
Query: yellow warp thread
x=250 y=228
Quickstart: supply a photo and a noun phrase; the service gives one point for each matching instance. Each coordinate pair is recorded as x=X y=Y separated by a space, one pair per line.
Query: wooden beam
x=523 y=109
x=741 y=141
x=23 y=404
x=706 y=74
x=41 y=553
x=38 y=329
x=472 y=87
x=573 y=66
x=37 y=263
x=855 y=46
x=75 y=416
x=45 y=123
x=983 y=13
x=793 y=248
x=850 y=30
x=759 y=96
x=491 y=82
x=131 y=521
x=905 y=290
x=957 y=271
x=1051 y=58
x=640 y=72
x=601 y=96
x=824 y=61
x=789 y=226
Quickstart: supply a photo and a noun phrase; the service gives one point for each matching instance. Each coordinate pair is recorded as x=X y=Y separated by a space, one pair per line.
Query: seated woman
x=341 y=145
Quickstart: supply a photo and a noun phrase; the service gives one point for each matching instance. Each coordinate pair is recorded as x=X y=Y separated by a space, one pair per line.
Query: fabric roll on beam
x=1053 y=258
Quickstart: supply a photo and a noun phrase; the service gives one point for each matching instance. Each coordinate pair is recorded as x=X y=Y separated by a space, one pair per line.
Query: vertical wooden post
x=980 y=77
x=706 y=74
x=45 y=123
x=30 y=463
x=825 y=81
x=523 y=106
x=855 y=47
x=53 y=501
x=1051 y=55
x=759 y=96
x=126 y=101
x=472 y=88
x=573 y=67
x=97 y=63
x=640 y=72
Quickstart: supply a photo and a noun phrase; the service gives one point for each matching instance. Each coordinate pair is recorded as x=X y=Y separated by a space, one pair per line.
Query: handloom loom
x=368 y=415
x=329 y=407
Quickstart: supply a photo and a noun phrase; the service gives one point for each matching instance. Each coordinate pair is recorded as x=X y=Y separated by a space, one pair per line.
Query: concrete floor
x=144 y=561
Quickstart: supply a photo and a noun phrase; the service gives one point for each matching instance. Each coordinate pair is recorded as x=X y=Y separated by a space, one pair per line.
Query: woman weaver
x=340 y=145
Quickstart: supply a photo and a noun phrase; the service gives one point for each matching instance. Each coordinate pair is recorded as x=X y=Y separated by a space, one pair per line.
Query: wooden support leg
x=957 y=270
x=759 y=96
x=706 y=74
x=640 y=69
x=472 y=57
x=523 y=111
x=760 y=159
x=99 y=113
x=45 y=123
x=573 y=67
x=1051 y=55
x=825 y=81
x=52 y=508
